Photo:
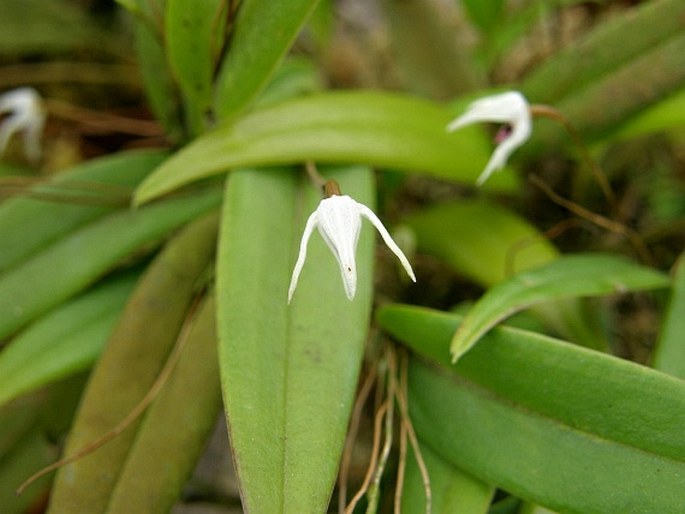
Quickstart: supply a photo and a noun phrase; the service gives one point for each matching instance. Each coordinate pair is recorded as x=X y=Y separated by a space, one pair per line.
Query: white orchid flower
x=510 y=108
x=339 y=220
x=25 y=113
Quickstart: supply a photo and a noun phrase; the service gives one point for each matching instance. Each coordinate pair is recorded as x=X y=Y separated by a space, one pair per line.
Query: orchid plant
x=161 y=280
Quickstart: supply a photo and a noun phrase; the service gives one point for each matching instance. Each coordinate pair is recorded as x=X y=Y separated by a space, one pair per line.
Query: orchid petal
x=308 y=229
x=25 y=113
x=511 y=108
x=390 y=243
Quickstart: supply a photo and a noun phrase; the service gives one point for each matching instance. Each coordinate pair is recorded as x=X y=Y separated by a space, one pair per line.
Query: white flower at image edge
x=510 y=108
x=25 y=113
x=339 y=220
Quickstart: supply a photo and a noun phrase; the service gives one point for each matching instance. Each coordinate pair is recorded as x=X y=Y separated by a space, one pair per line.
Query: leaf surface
x=382 y=129
x=572 y=429
x=289 y=372
x=568 y=276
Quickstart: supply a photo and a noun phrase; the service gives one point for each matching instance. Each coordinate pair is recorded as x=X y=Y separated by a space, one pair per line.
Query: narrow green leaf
x=252 y=58
x=568 y=276
x=568 y=428
x=161 y=90
x=132 y=360
x=32 y=452
x=488 y=244
x=27 y=224
x=64 y=341
x=649 y=25
x=481 y=239
x=176 y=427
x=383 y=129
x=46 y=28
x=670 y=351
x=484 y=13
x=603 y=106
x=663 y=115
x=452 y=490
x=76 y=261
x=289 y=372
x=194 y=33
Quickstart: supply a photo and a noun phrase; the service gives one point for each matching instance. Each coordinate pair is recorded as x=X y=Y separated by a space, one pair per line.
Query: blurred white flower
x=339 y=220
x=510 y=108
x=24 y=112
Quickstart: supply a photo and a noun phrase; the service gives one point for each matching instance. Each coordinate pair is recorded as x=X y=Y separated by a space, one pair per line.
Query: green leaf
x=670 y=350
x=481 y=239
x=562 y=75
x=663 y=115
x=176 y=427
x=484 y=13
x=135 y=353
x=383 y=129
x=63 y=342
x=624 y=77
x=32 y=452
x=452 y=490
x=568 y=276
x=44 y=28
x=568 y=428
x=289 y=372
x=252 y=58
x=488 y=244
x=161 y=90
x=194 y=33
x=28 y=225
x=80 y=258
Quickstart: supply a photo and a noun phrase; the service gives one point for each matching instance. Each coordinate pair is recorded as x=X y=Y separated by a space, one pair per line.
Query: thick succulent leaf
x=194 y=37
x=670 y=351
x=133 y=358
x=384 y=129
x=452 y=490
x=488 y=244
x=29 y=224
x=81 y=257
x=568 y=276
x=252 y=58
x=572 y=429
x=289 y=372
x=65 y=341
x=176 y=427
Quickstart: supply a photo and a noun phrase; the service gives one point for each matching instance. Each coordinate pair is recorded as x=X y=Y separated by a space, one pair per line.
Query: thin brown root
x=130 y=418
x=401 y=467
x=402 y=395
x=355 y=421
x=378 y=419
x=103 y=121
x=601 y=221
x=549 y=112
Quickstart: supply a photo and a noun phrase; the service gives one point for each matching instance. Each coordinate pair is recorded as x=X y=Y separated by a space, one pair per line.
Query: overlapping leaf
x=569 y=428
x=567 y=276
x=384 y=129
x=288 y=372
